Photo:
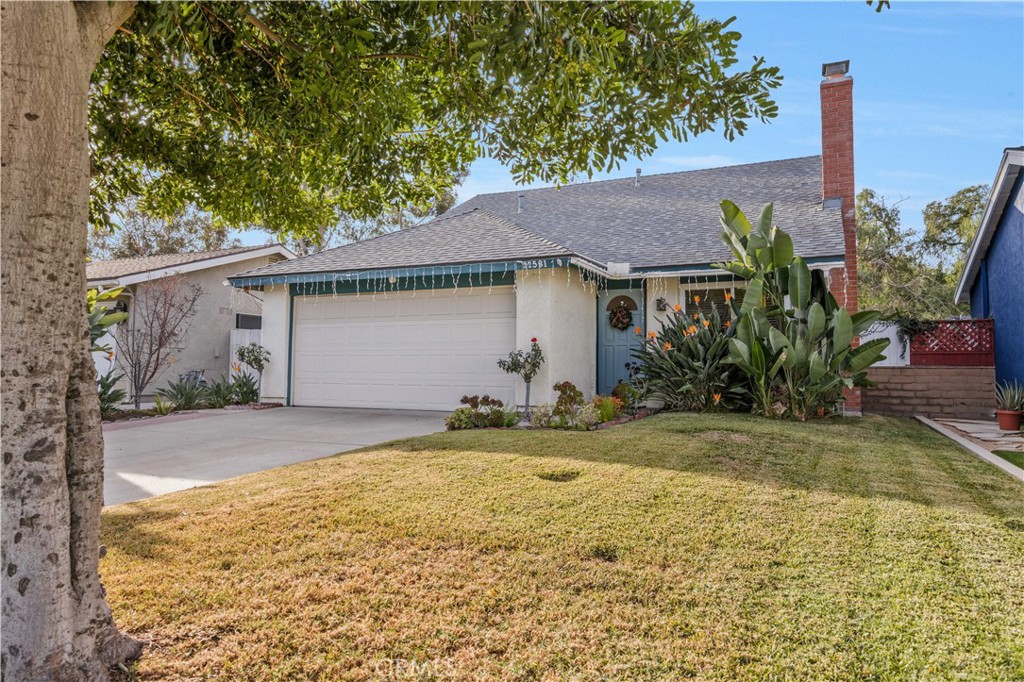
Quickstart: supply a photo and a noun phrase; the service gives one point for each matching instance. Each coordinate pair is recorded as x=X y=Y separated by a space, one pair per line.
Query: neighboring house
x=993 y=276
x=417 y=318
x=220 y=309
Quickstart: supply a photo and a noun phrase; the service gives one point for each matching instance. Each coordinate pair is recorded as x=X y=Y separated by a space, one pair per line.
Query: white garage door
x=420 y=351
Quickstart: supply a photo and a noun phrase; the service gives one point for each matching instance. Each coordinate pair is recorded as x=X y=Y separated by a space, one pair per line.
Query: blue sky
x=938 y=94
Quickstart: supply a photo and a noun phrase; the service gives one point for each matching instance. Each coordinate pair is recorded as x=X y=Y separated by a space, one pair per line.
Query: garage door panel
x=404 y=350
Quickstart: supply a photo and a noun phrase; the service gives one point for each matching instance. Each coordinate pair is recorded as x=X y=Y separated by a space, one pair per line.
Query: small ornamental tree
x=256 y=356
x=526 y=364
x=159 y=319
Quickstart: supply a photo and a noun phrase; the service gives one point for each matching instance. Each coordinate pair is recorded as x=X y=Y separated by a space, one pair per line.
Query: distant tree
x=908 y=275
x=350 y=229
x=950 y=226
x=159 y=317
x=139 y=233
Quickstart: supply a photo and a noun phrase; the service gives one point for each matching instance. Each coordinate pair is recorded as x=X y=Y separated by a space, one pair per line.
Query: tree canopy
x=905 y=274
x=289 y=115
x=141 y=234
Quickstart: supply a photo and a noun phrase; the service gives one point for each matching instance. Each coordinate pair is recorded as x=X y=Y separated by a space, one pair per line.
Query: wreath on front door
x=621 y=317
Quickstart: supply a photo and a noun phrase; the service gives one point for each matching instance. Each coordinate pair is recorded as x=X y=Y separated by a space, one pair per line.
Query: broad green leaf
x=757 y=359
x=864 y=356
x=732 y=217
x=817 y=367
x=815 y=321
x=778 y=340
x=799 y=284
x=863 y=320
x=739 y=350
x=842 y=332
x=783 y=249
x=764 y=221
x=753 y=293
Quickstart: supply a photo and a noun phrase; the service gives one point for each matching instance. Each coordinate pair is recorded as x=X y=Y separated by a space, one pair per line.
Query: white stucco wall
x=559 y=309
x=667 y=288
x=275 y=339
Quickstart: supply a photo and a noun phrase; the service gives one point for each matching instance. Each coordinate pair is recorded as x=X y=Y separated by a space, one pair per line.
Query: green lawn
x=682 y=546
x=1011 y=456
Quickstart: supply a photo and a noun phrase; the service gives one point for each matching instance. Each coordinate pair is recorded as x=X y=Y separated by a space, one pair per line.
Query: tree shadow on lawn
x=125 y=529
x=870 y=457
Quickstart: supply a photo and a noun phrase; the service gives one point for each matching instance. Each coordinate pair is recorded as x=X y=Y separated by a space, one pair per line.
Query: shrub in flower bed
x=480 y=412
x=570 y=411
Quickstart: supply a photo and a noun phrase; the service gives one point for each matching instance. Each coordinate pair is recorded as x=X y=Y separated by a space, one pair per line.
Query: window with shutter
x=712 y=297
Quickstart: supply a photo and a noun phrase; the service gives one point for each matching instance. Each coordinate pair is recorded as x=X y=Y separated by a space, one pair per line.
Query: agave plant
x=220 y=393
x=187 y=394
x=1010 y=396
x=110 y=395
x=790 y=332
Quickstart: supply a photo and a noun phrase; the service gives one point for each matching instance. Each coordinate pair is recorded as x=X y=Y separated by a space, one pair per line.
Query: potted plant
x=1009 y=405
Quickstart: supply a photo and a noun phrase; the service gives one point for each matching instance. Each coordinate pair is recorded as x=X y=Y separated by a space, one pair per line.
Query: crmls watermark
x=409 y=668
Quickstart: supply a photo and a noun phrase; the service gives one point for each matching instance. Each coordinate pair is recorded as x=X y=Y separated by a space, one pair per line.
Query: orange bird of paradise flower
x=678 y=307
x=668 y=346
x=728 y=323
x=638 y=330
x=728 y=296
x=706 y=323
x=718 y=397
x=696 y=299
x=692 y=329
x=651 y=334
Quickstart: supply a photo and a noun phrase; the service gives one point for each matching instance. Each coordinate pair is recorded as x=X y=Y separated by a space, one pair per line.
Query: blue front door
x=615 y=346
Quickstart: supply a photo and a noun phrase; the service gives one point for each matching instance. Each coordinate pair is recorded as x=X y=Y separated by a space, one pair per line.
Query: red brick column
x=838 y=185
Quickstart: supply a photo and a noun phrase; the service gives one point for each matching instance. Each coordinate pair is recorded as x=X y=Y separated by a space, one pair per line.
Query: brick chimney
x=838 y=187
x=837 y=182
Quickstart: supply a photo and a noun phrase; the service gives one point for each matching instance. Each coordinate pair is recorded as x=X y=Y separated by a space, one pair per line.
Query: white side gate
x=239 y=338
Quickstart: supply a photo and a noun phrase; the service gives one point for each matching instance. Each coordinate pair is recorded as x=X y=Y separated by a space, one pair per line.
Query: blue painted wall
x=998 y=290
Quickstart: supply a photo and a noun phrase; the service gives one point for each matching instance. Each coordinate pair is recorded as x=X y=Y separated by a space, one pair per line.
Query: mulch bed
x=134 y=415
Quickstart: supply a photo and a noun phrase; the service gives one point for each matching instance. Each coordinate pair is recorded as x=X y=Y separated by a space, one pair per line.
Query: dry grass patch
x=868 y=549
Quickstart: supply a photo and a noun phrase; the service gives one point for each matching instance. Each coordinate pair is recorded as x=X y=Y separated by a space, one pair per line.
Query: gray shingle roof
x=672 y=219
x=668 y=220
x=471 y=236
x=122 y=267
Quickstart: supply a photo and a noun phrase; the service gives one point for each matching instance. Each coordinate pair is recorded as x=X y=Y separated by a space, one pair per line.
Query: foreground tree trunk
x=56 y=622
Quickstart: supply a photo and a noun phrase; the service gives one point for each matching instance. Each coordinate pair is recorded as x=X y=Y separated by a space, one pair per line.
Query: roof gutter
x=1009 y=169
x=602 y=271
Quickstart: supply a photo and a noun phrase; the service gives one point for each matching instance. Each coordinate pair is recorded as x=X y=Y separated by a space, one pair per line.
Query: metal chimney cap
x=835 y=69
x=522 y=203
x=637 y=181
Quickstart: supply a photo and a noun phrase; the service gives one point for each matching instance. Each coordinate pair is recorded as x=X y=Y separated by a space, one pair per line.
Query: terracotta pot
x=1009 y=420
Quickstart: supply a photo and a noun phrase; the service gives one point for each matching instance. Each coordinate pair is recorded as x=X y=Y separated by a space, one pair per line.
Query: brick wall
x=838 y=182
x=952 y=392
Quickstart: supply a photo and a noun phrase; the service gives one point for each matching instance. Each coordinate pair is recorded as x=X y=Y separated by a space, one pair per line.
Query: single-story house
x=993 y=276
x=417 y=318
x=206 y=346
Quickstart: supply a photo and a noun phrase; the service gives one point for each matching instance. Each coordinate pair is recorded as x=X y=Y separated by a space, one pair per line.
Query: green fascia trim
x=437 y=272
x=615 y=284
x=291 y=336
x=420 y=283
x=708 y=267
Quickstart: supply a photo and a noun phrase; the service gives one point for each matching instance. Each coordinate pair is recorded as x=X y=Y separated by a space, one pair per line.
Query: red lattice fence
x=958 y=343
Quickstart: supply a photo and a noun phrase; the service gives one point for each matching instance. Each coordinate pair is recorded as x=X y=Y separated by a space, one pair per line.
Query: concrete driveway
x=156 y=456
